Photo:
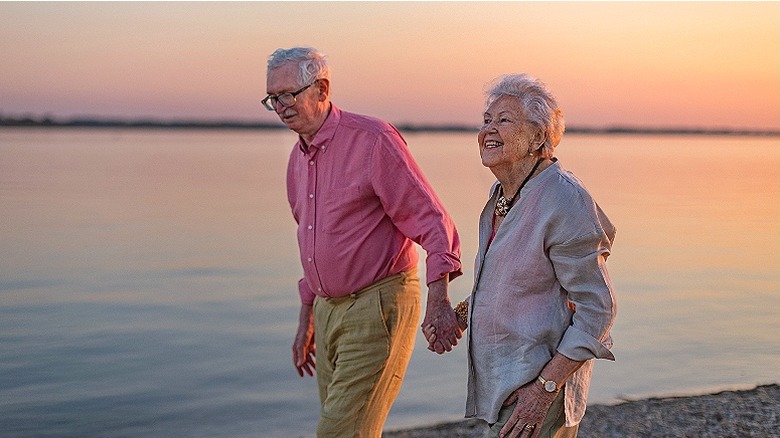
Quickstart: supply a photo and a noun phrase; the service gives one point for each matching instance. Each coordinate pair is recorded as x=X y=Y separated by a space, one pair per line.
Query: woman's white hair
x=539 y=106
x=312 y=63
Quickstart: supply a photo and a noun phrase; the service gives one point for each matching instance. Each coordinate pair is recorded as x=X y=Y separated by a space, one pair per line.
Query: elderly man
x=361 y=202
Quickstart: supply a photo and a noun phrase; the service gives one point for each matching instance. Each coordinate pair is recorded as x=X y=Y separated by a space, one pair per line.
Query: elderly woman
x=542 y=303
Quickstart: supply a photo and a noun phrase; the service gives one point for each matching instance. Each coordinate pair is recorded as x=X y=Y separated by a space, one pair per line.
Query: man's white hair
x=312 y=64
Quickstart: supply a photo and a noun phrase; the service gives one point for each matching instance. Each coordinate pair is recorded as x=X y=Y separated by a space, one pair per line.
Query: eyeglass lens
x=286 y=99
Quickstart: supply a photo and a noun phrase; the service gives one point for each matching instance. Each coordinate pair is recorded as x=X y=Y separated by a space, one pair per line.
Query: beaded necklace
x=503 y=205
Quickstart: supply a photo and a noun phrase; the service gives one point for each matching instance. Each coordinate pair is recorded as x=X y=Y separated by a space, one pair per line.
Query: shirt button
x=310 y=227
x=311 y=195
x=319 y=289
x=309 y=259
x=311 y=163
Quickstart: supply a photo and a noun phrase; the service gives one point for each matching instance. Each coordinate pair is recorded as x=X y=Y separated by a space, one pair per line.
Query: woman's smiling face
x=506 y=136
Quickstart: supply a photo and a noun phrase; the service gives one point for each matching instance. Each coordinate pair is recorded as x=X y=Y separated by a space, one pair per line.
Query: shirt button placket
x=311 y=228
x=312 y=183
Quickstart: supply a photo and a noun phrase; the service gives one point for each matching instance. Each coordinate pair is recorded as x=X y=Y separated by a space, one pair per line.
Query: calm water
x=147 y=278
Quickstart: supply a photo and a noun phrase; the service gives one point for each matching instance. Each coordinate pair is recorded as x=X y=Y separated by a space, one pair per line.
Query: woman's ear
x=539 y=139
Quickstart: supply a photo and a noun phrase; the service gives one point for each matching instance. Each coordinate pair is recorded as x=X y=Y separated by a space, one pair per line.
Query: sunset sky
x=667 y=64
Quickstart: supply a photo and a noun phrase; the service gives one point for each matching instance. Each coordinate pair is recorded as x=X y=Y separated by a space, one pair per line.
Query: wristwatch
x=549 y=385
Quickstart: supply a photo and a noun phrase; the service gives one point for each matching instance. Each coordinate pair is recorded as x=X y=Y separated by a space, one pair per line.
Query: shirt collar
x=326 y=131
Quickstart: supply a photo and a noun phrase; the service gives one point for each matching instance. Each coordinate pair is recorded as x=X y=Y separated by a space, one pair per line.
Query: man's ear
x=323 y=88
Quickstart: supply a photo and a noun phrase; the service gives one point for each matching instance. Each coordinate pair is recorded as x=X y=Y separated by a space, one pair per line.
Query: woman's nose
x=488 y=127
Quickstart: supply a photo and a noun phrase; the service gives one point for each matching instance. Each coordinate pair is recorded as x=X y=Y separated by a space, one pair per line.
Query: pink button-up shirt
x=361 y=202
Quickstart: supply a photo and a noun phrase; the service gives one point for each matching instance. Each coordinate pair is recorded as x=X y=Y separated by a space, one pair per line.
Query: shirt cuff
x=580 y=346
x=441 y=264
x=307 y=296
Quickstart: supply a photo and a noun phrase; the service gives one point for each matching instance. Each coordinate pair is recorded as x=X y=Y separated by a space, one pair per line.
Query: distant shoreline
x=30 y=122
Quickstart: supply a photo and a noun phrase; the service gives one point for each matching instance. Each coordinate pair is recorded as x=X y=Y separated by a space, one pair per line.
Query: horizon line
x=154 y=123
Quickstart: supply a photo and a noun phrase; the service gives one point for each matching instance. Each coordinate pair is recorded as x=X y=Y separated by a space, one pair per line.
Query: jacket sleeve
x=580 y=265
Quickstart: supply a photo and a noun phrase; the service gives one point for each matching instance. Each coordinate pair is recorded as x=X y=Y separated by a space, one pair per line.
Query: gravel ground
x=751 y=413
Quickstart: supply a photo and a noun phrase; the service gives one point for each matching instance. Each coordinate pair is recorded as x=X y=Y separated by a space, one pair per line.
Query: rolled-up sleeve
x=580 y=266
x=440 y=264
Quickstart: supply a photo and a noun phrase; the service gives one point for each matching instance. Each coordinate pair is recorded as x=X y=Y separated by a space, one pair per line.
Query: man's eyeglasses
x=286 y=99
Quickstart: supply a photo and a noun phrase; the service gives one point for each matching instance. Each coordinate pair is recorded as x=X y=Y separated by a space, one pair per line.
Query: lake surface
x=148 y=278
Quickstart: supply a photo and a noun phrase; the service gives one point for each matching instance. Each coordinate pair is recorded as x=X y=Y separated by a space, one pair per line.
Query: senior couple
x=542 y=303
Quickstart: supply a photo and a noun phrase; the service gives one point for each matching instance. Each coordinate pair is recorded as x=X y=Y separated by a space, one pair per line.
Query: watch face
x=550 y=386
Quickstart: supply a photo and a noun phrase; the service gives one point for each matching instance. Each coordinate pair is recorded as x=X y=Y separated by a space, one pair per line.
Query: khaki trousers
x=364 y=343
x=553 y=426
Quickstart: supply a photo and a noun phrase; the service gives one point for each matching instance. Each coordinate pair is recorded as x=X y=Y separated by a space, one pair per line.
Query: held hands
x=429 y=330
x=532 y=404
x=461 y=312
x=441 y=327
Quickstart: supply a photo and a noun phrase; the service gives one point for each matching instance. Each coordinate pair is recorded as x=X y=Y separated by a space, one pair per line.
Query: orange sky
x=667 y=64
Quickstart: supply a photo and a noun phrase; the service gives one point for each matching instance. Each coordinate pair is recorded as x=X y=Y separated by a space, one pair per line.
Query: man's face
x=301 y=117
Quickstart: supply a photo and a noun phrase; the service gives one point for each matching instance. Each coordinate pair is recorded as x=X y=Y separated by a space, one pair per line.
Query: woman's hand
x=532 y=403
x=430 y=335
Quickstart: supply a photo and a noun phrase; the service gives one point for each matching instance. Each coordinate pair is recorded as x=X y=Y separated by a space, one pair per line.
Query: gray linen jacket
x=541 y=287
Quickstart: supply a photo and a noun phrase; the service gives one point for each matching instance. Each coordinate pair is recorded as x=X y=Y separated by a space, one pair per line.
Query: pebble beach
x=749 y=413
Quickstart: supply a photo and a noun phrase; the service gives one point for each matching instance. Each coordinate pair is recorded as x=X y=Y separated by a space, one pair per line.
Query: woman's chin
x=489 y=159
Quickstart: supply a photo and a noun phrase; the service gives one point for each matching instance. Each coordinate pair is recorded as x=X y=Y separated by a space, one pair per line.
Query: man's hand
x=303 y=347
x=440 y=326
